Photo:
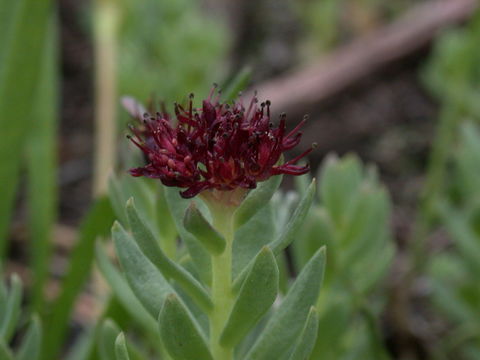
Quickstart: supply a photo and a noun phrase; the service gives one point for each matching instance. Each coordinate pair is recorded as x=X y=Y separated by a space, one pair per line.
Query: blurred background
x=392 y=81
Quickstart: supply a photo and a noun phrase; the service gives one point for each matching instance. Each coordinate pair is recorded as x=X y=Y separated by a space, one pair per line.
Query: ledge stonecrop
x=218 y=146
x=229 y=155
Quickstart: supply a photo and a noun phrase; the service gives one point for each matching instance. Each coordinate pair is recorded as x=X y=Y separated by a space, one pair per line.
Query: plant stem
x=221 y=285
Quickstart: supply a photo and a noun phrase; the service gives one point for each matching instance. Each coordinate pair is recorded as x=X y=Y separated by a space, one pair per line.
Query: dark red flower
x=218 y=146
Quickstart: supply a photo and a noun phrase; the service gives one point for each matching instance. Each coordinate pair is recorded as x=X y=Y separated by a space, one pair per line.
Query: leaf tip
x=130 y=203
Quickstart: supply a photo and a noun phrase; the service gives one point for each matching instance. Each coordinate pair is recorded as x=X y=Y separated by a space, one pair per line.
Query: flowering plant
x=212 y=294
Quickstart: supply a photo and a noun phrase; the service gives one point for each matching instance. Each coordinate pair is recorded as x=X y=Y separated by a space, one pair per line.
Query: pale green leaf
x=121 y=350
x=198 y=226
x=106 y=340
x=286 y=324
x=123 y=292
x=293 y=227
x=306 y=340
x=199 y=255
x=31 y=342
x=147 y=283
x=255 y=297
x=12 y=309
x=256 y=199
x=150 y=248
x=180 y=333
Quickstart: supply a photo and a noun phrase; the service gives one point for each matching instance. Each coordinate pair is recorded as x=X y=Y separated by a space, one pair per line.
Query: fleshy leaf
x=147 y=283
x=5 y=353
x=256 y=199
x=288 y=234
x=338 y=182
x=251 y=238
x=121 y=351
x=296 y=221
x=122 y=290
x=306 y=340
x=106 y=340
x=150 y=248
x=256 y=295
x=12 y=309
x=198 y=226
x=286 y=324
x=180 y=333
x=200 y=256
x=31 y=342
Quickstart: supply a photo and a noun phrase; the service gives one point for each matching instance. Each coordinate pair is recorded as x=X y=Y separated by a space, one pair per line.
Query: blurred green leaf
x=106 y=340
x=20 y=67
x=338 y=182
x=121 y=351
x=466 y=240
x=95 y=224
x=12 y=309
x=255 y=297
x=31 y=342
x=82 y=348
x=5 y=353
x=180 y=333
x=41 y=167
x=236 y=85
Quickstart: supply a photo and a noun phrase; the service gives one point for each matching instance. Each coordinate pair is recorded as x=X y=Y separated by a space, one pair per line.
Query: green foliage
x=256 y=199
x=28 y=348
x=306 y=340
x=148 y=284
x=106 y=340
x=257 y=294
x=180 y=333
x=351 y=219
x=198 y=226
x=175 y=290
x=121 y=348
x=453 y=71
x=167 y=47
x=286 y=324
x=94 y=225
x=453 y=273
x=149 y=246
x=21 y=67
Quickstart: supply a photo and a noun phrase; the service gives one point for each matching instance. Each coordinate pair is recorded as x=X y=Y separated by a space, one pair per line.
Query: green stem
x=221 y=285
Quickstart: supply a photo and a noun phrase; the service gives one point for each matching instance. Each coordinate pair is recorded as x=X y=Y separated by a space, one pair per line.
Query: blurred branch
x=336 y=72
x=106 y=17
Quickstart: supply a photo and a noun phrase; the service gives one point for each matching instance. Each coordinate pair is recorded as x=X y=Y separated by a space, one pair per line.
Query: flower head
x=218 y=146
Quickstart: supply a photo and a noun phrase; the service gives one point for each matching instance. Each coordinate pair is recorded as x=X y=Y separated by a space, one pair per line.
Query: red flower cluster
x=218 y=146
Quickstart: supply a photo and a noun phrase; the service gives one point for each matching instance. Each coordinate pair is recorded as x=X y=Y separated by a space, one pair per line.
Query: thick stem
x=222 y=285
